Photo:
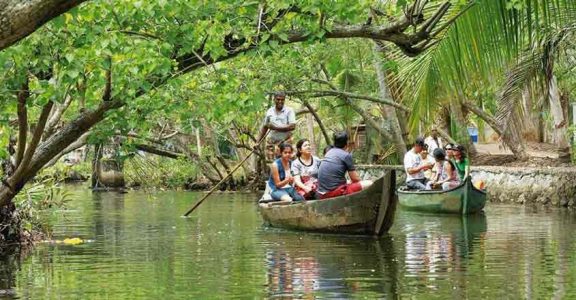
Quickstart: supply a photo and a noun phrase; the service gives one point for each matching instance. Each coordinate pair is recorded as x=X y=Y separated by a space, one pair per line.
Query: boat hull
x=464 y=199
x=350 y=214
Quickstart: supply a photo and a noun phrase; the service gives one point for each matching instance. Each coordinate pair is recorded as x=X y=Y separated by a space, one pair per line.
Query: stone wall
x=545 y=186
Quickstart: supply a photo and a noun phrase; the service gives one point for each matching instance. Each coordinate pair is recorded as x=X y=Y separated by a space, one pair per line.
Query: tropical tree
x=111 y=58
x=465 y=72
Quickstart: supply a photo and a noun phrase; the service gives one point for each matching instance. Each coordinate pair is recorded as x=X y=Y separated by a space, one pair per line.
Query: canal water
x=136 y=246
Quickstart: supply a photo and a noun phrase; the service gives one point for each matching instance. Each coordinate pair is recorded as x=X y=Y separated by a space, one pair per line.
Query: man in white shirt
x=433 y=141
x=415 y=167
x=281 y=121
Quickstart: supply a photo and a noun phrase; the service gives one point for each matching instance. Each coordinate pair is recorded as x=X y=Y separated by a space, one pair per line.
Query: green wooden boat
x=464 y=199
x=368 y=212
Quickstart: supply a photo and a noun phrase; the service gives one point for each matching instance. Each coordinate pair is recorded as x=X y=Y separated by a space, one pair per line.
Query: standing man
x=281 y=121
x=415 y=166
x=333 y=168
x=433 y=141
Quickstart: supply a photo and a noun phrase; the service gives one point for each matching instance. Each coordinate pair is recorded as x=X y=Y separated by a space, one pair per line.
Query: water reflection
x=305 y=266
x=143 y=250
x=439 y=244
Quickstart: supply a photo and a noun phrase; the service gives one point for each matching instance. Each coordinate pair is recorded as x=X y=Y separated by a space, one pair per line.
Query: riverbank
x=553 y=186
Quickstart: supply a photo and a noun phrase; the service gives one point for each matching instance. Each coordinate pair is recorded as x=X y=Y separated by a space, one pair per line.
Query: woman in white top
x=305 y=170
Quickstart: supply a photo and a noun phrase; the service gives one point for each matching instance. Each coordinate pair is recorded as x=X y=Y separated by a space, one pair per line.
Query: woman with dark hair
x=461 y=162
x=446 y=176
x=281 y=180
x=305 y=170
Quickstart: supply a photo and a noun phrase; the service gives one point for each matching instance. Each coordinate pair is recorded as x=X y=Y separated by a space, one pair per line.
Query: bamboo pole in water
x=227 y=176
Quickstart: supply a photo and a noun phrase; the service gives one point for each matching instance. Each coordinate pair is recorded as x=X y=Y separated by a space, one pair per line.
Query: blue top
x=281 y=173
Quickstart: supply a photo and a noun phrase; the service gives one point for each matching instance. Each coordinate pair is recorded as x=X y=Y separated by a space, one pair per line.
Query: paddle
x=227 y=176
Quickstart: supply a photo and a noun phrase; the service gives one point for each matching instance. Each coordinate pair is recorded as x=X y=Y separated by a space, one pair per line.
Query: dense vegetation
x=189 y=79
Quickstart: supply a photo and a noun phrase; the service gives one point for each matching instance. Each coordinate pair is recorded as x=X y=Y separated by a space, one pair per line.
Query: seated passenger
x=446 y=177
x=305 y=170
x=461 y=162
x=448 y=150
x=281 y=180
x=426 y=158
x=415 y=167
x=332 y=172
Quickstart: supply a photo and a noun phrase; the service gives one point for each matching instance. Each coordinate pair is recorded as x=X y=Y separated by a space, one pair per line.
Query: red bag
x=309 y=182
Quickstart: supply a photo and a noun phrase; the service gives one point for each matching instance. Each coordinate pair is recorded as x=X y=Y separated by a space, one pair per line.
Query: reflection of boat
x=370 y=211
x=464 y=231
x=308 y=265
x=464 y=199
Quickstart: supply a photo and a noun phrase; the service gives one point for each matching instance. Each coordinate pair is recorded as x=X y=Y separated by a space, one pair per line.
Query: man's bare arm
x=282 y=128
x=354 y=176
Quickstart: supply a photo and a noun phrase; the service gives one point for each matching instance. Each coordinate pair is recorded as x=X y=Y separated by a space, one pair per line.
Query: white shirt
x=279 y=118
x=431 y=143
x=412 y=160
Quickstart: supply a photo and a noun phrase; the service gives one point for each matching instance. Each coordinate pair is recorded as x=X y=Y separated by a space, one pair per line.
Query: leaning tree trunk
x=530 y=132
x=560 y=125
x=389 y=112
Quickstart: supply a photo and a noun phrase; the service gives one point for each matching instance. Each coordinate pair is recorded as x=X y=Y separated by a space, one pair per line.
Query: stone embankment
x=544 y=186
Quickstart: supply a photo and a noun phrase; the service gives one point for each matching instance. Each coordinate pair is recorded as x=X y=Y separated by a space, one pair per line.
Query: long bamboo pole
x=227 y=176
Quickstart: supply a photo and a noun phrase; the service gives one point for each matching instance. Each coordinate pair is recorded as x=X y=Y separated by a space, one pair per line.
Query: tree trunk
x=560 y=124
x=20 y=18
x=54 y=145
x=530 y=132
x=310 y=131
x=107 y=172
x=512 y=140
x=389 y=112
x=96 y=166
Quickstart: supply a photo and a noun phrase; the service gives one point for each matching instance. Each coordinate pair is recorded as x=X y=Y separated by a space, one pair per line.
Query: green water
x=140 y=248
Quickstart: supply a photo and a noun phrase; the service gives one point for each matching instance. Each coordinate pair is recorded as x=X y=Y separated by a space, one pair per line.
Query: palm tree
x=466 y=71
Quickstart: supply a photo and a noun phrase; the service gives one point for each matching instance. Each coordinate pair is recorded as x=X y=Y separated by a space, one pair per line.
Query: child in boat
x=446 y=175
x=305 y=170
x=281 y=180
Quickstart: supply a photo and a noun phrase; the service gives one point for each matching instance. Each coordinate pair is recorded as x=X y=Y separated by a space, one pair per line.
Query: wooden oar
x=226 y=177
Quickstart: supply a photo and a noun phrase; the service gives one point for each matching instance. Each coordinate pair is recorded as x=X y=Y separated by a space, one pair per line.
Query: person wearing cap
x=433 y=141
x=415 y=167
x=461 y=162
x=281 y=121
x=446 y=176
x=333 y=168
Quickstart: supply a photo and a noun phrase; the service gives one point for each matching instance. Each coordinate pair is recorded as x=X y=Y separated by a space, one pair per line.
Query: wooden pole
x=226 y=177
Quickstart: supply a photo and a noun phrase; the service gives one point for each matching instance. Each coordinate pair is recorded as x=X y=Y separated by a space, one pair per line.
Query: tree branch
x=393 y=33
x=158 y=151
x=23 y=95
x=31 y=148
x=325 y=93
x=81 y=141
x=318 y=120
x=108 y=88
x=18 y=19
x=485 y=116
x=56 y=114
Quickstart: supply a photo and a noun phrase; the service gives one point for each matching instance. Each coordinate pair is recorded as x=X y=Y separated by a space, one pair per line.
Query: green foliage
x=38 y=204
x=154 y=172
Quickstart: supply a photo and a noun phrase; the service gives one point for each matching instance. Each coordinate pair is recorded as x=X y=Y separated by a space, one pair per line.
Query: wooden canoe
x=464 y=199
x=368 y=212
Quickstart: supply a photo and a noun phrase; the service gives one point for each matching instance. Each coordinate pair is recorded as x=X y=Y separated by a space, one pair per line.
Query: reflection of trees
x=8 y=267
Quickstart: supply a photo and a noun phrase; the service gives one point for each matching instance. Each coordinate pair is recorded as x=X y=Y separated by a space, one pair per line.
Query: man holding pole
x=281 y=121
